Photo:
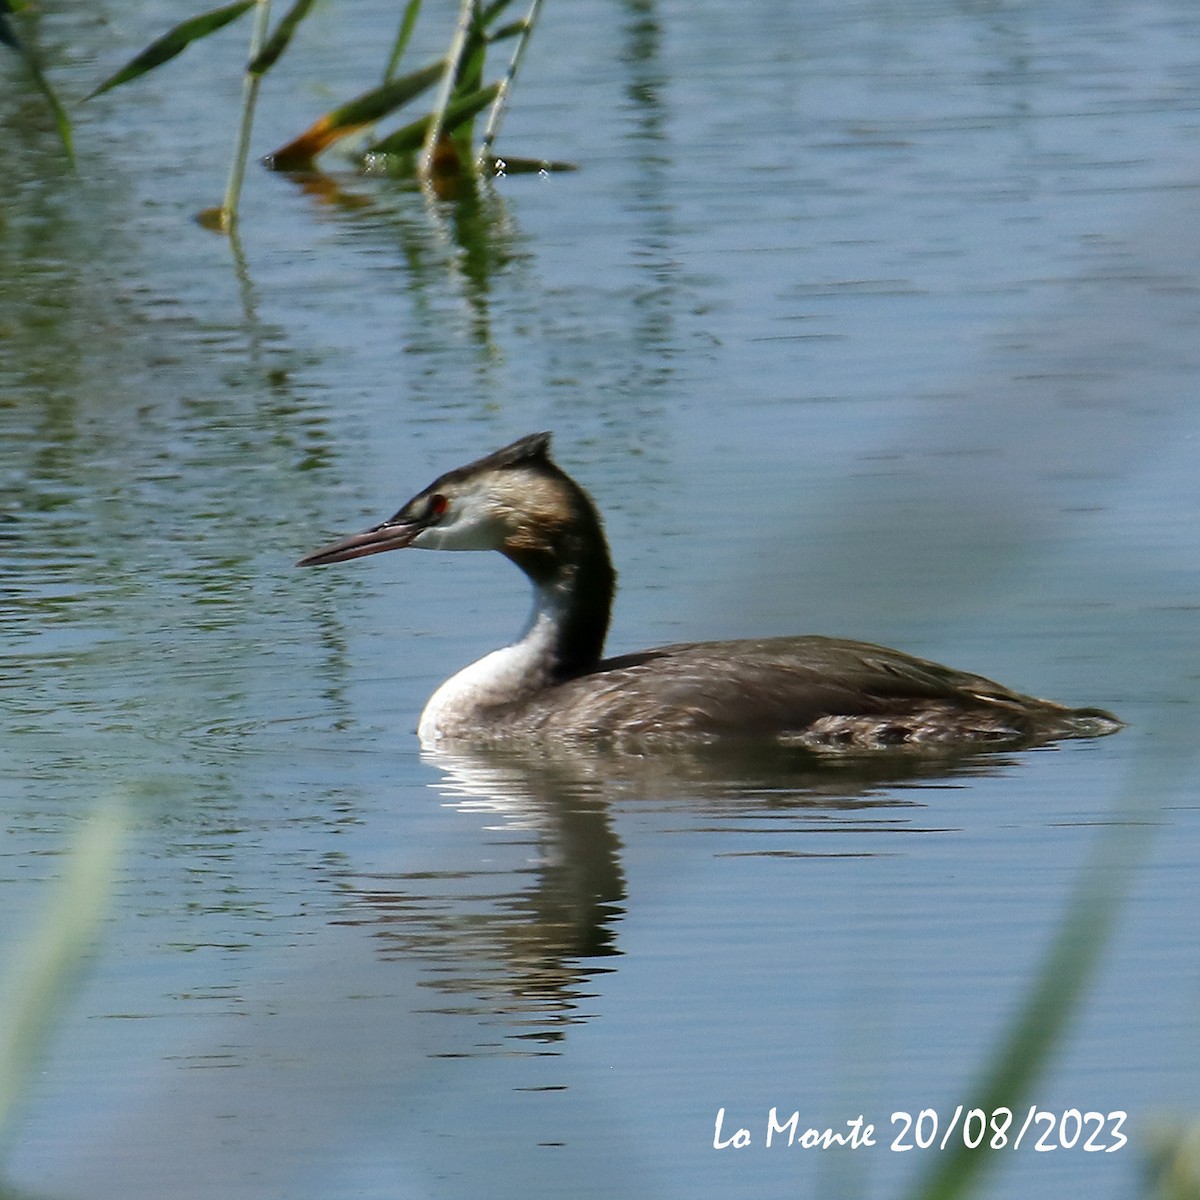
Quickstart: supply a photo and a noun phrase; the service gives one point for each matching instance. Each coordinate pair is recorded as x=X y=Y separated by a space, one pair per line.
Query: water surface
x=869 y=320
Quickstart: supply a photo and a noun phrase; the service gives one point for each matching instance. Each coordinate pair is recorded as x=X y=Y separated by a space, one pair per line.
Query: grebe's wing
x=823 y=692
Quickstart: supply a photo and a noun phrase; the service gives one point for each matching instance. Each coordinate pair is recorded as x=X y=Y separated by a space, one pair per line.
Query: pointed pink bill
x=387 y=536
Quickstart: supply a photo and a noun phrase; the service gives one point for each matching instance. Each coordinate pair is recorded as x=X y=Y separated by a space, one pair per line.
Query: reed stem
x=466 y=17
x=500 y=105
x=237 y=168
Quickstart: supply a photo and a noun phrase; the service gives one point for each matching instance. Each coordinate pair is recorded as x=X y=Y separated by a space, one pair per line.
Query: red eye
x=438 y=504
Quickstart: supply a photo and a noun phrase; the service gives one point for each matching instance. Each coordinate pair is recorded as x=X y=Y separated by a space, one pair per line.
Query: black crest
x=533 y=448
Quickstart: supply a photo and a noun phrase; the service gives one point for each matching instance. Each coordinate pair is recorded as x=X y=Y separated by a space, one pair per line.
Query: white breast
x=460 y=706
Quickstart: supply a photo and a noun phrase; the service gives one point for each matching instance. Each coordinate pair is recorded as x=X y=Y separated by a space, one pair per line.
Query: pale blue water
x=875 y=320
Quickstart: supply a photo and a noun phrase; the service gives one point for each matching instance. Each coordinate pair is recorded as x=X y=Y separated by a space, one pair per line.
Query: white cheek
x=468 y=530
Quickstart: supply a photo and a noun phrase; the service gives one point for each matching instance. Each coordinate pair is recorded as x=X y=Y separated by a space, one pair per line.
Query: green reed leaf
x=458 y=113
x=511 y=30
x=366 y=109
x=380 y=101
x=175 y=42
x=407 y=23
x=8 y=35
x=493 y=10
x=278 y=42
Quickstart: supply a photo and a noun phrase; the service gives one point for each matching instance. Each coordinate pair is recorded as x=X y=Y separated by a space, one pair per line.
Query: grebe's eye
x=438 y=504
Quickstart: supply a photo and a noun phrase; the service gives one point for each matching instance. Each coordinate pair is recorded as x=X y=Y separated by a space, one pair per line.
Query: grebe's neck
x=573 y=586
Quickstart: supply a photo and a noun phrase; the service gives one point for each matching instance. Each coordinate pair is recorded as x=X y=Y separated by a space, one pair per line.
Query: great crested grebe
x=818 y=692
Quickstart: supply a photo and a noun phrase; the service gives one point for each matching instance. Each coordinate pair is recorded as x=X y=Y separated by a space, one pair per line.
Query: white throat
x=460 y=705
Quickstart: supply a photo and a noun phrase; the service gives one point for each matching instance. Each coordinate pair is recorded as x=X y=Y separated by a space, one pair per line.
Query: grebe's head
x=514 y=500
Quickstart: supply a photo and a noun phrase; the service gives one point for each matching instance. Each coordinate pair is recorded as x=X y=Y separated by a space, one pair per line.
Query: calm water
x=870 y=319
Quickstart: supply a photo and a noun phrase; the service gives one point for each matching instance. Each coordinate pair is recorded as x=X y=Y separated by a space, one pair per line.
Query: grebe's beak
x=391 y=535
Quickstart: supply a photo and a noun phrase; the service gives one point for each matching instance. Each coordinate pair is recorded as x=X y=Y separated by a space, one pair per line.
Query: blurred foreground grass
x=1054 y=996
x=40 y=972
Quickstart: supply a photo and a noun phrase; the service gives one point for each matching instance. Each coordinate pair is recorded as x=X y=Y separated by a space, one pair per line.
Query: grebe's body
x=823 y=693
